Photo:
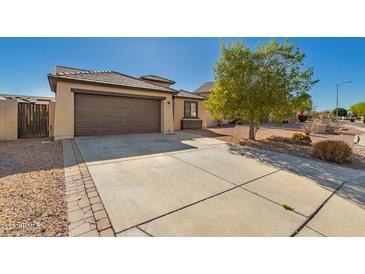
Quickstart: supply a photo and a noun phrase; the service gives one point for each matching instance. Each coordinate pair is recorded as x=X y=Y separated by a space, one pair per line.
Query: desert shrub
x=301 y=138
x=333 y=151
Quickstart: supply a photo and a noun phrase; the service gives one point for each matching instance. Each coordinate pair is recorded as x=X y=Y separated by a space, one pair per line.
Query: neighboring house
x=204 y=90
x=108 y=102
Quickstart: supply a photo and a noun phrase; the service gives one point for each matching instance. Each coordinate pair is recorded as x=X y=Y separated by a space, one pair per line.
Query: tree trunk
x=252 y=131
x=251 y=121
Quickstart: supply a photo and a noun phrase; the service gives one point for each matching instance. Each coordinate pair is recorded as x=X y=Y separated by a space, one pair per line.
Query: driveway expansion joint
x=202 y=169
x=243 y=184
x=316 y=231
x=197 y=202
x=294 y=211
x=149 y=234
x=316 y=212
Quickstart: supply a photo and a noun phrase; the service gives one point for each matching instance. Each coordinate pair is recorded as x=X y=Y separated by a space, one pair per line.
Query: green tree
x=302 y=102
x=253 y=84
x=358 y=109
x=341 y=112
x=216 y=105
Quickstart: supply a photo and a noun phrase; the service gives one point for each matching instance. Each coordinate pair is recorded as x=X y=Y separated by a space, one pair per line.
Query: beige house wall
x=179 y=111
x=64 y=111
x=8 y=120
x=52 y=108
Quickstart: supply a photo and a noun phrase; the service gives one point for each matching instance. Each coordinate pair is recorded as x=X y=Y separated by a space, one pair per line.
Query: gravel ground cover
x=239 y=134
x=32 y=188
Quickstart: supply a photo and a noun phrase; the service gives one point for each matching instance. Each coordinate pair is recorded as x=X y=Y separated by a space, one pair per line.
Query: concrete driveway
x=184 y=184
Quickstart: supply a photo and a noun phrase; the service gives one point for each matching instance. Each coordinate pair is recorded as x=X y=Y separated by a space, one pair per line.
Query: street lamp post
x=337 y=86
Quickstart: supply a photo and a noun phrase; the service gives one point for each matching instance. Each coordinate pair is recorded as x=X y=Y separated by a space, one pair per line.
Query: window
x=190 y=109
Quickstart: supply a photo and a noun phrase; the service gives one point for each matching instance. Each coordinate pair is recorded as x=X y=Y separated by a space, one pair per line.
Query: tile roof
x=206 y=87
x=104 y=77
x=187 y=94
x=60 y=69
x=157 y=78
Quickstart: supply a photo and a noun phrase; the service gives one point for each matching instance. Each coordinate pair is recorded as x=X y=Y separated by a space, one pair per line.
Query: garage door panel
x=108 y=131
x=114 y=121
x=99 y=114
x=114 y=127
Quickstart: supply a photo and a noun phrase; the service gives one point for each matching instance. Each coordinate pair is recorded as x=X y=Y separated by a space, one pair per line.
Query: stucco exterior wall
x=64 y=111
x=51 y=110
x=8 y=120
x=179 y=111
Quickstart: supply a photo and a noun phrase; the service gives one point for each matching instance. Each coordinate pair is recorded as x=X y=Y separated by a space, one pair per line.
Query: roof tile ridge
x=138 y=79
x=83 y=72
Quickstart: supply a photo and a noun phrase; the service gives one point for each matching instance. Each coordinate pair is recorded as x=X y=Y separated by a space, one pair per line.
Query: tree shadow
x=117 y=147
x=327 y=175
x=208 y=133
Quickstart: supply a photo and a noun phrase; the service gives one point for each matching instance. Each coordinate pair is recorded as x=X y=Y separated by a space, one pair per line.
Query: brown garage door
x=99 y=115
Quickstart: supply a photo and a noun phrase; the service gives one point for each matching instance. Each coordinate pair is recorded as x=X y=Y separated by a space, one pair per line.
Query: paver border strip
x=81 y=188
x=103 y=224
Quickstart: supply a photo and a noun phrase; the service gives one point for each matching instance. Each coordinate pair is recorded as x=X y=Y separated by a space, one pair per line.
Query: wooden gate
x=33 y=120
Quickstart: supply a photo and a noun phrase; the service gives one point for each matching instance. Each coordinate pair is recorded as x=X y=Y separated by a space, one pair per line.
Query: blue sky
x=25 y=62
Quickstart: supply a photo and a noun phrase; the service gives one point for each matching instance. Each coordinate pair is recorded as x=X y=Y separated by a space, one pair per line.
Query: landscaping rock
x=319 y=128
x=32 y=188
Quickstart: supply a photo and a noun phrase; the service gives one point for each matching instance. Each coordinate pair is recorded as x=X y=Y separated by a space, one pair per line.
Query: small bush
x=333 y=151
x=301 y=137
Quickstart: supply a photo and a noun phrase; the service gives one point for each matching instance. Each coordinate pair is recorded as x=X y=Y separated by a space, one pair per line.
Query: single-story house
x=89 y=102
x=107 y=102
